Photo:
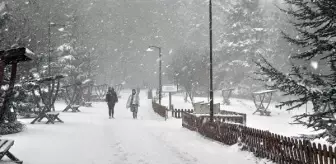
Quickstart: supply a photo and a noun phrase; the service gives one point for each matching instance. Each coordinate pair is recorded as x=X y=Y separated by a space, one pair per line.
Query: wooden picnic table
x=226 y=93
x=5 y=145
x=50 y=116
x=87 y=104
x=74 y=108
x=260 y=98
x=73 y=96
x=326 y=107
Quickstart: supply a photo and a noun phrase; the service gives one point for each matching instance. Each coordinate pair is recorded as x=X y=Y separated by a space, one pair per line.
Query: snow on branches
x=314 y=22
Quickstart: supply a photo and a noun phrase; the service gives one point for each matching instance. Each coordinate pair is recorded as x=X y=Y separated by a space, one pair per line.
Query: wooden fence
x=277 y=148
x=160 y=110
x=177 y=113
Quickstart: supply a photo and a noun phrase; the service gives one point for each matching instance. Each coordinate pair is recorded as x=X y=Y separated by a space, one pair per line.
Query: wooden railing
x=264 y=144
x=189 y=121
x=160 y=110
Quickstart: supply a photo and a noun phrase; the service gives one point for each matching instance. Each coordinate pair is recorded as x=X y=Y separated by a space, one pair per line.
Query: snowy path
x=90 y=137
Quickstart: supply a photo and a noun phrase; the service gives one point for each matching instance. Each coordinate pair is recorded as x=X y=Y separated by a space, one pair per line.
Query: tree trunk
x=56 y=93
x=89 y=93
x=186 y=97
x=2 y=95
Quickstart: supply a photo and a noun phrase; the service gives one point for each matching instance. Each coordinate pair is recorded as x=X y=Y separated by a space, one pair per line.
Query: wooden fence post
x=170 y=99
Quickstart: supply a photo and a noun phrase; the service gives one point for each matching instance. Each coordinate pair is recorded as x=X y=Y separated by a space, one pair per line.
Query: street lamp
x=210 y=42
x=150 y=48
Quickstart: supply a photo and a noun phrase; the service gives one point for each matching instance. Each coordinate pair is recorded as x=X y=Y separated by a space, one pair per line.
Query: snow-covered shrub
x=11 y=127
x=23 y=101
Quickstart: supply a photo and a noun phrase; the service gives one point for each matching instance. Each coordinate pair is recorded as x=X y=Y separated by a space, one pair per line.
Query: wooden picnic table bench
x=264 y=96
x=88 y=104
x=74 y=108
x=226 y=93
x=5 y=145
x=51 y=117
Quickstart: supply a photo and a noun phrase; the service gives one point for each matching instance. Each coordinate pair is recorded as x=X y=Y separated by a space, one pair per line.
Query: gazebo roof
x=16 y=55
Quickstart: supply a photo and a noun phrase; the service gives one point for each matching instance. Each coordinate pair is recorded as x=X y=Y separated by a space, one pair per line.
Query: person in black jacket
x=111 y=99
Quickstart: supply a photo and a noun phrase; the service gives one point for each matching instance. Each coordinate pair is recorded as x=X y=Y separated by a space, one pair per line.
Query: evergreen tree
x=315 y=24
x=243 y=36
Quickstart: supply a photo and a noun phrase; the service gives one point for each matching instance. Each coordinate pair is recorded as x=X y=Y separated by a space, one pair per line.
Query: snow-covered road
x=90 y=137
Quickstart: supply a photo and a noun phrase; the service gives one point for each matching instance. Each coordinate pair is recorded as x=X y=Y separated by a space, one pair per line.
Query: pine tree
x=241 y=38
x=315 y=24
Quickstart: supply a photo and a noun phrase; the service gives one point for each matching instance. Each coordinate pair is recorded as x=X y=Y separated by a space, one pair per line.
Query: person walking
x=133 y=103
x=111 y=99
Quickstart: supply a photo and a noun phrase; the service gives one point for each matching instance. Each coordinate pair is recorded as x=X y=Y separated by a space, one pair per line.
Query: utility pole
x=49 y=65
x=160 y=77
x=210 y=37
x=49 y=48
x=90 y=86
x=160 y=71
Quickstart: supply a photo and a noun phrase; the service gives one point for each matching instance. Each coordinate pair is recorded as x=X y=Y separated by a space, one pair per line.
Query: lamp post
x=210 y=42
x=150 y=48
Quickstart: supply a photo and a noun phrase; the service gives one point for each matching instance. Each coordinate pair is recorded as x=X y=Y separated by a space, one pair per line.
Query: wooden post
x=9 y=92
x=13 y=77
x=89 y=91
x=170 y=98
x=2 y=70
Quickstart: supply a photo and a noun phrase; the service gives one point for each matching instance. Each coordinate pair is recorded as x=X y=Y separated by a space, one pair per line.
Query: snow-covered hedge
x=11 y=128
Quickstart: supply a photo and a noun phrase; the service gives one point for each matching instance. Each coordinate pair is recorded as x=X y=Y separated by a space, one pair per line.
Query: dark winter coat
x=111 y=97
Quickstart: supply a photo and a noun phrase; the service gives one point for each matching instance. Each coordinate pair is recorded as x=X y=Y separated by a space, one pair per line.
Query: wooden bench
x=88 y=104
x=75 y=108
x=52 y=116
x=5 y=145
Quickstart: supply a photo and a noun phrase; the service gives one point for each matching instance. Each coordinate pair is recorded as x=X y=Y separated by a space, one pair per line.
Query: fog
x=124 y=30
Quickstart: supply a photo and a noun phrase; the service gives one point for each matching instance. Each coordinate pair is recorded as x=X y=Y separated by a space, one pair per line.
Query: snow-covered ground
x=278 y=122
x=89 y=137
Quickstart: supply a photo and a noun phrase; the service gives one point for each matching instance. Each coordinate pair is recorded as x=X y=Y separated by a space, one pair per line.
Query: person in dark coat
x=111 y=99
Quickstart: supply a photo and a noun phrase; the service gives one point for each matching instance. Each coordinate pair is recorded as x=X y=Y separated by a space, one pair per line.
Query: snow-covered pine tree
x=243 y=35
x=315 y=24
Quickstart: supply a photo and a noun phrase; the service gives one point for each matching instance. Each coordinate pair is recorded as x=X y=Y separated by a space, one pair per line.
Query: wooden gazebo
x=10 y=57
